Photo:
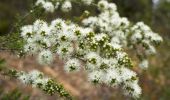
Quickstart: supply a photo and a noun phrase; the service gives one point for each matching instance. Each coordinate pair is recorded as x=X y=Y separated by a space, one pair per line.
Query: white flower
x=46 y=42
x=91 y=21
x=57 y=25
x=132 y=88
x=27 y=31
x=57 y=5
x=105 y=64
x=38 y=81
x=136 y=37
x=41 y=27
x=95 y=77
x=112 y=77
x=64 y=35
x=87 y=2
x=24 y=78
x=116 y=22
x=150 y=50
x=39 y=2
x=48 y=6
x=65 y=50
x=137 y=90
x=100 y=37
x=35 y=78
x=45 y=57
x=112 y=7
x=116 y=46
x=115 y=40
x=120 y=55
x=125 y=22
x=156 y=37
x=126 y=74
x=66 y=6
x=31 y=48
x=102 y=5
x=93 y=58
x=72 y=65
x=144 y=64
x=85 y=31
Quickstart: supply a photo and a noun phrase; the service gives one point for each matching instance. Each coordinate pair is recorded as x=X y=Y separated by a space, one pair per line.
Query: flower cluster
x=142 y=36
x=109 y=22
x=97 y=45
x=64 y=5
x=37 y=79
x=76 y=45
x=121 y=31
x=34 y=77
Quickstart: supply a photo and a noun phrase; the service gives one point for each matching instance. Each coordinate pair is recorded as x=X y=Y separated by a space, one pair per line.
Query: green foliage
x=52 y=87
x=136 y=10
x=13 y=95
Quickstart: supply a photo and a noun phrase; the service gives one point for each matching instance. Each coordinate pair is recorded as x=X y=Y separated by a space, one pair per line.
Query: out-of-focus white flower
x=24 y=78
x=66 y=6
x=49 y=7
x=87 y=2
x=144 y=64
x=112 y=7
x=57 y=5
x=102 y=5
x=40 y=2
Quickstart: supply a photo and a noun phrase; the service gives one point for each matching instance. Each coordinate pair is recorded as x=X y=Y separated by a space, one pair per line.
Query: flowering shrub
x=97 y=44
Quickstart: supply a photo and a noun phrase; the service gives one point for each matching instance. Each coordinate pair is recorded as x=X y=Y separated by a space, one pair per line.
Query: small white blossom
x=95 y=77
x=65 y=50
x=127 y=74
x=132 y=88
x=112 y=7
x=27 y=31
x=35 y=78
x=45 y=57
x=144 y=64
x=24 y=78
x=93 y=58
x=102 y=5
x=66 y=6
x=112 y=77
x=72 y=65
x=49 y=7
x=57 y=5
x=31 y=48
x=40 y=2
x=87 y=2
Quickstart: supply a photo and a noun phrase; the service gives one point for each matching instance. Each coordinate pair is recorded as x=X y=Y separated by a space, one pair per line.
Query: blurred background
x=155 y=81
